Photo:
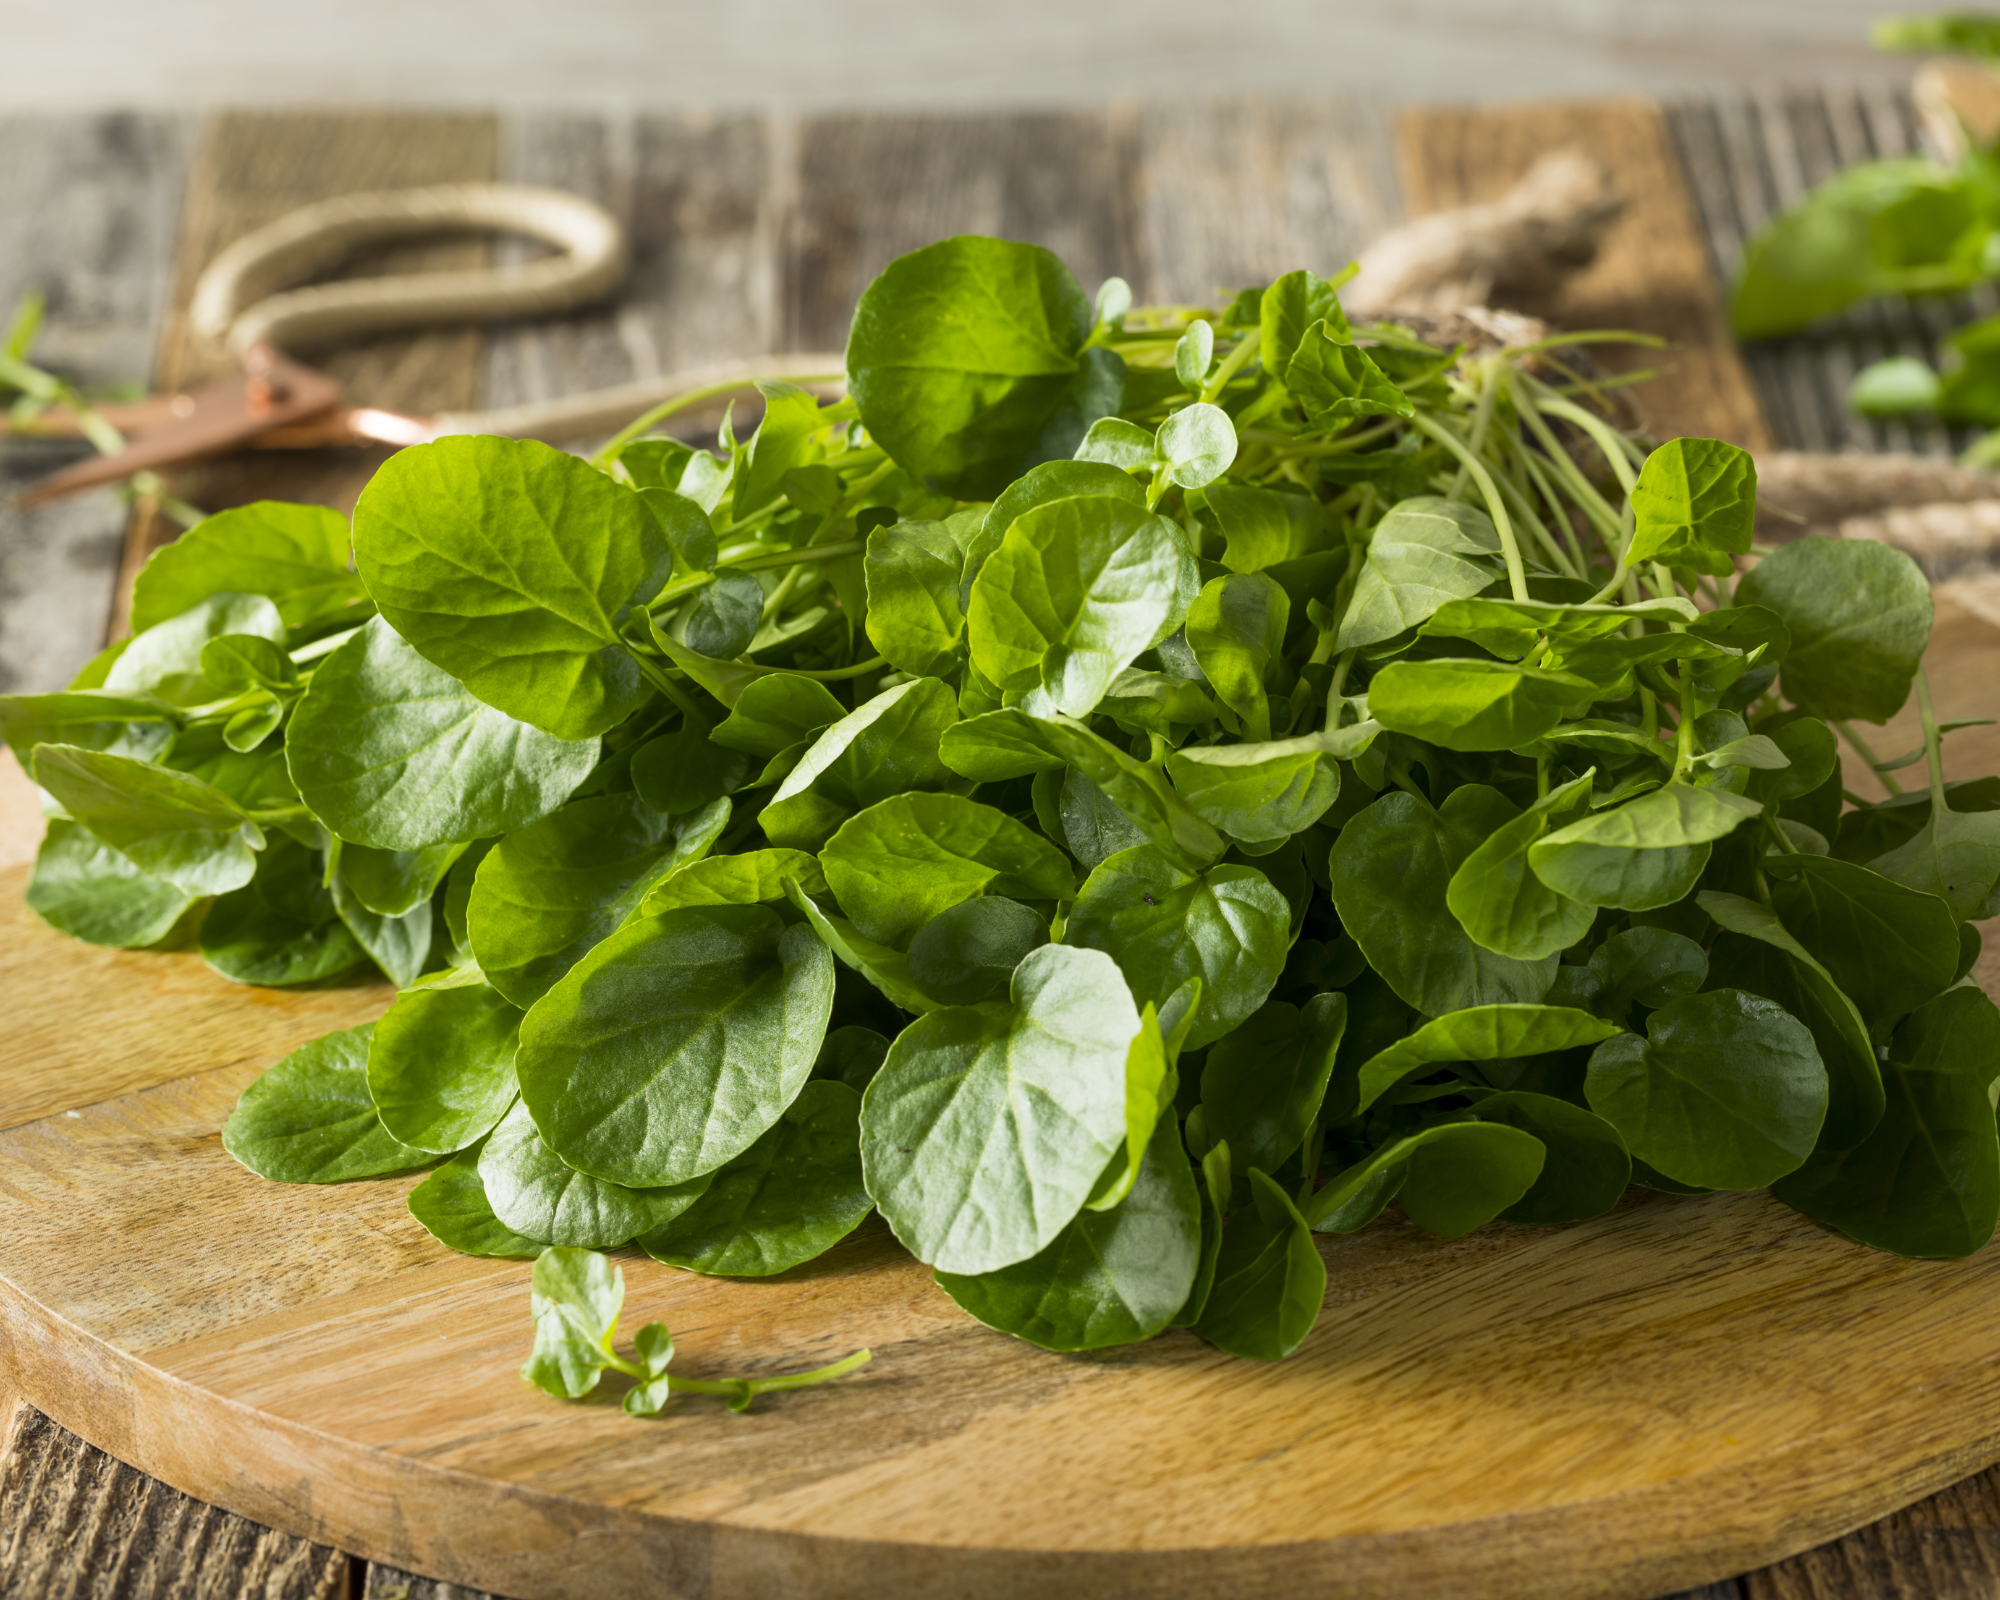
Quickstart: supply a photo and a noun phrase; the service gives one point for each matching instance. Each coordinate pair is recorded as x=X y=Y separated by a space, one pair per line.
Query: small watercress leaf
x=887 y=746
x=1111 y=1276
x=792 y=1195
x=441 y=1065
x=575 y=1298
x=1269 y=1279
x=775 y=712
x=982 y=1135
x=1114 y=442
x=685 y=525
x=452 y=1207
x=513 y=567
x=166 y=659
x=1480 y=1033
x=1264 y=527
x=915 y=616
x=235 y=663
x=781 y=442
x=906 y=860
x=391 y=752
x=1695 y=506
x=534 y=1193
x=1262 y=1085
x=1228 y=926
x=1587 y=1167
x=1196 y=445
x=1236 y=628
x=721 y=618
x=547 y=894
x=309 y=1118
x=1859 y=614
x=968 y=953
x=1194 y=353
x=86 y=889
x=675 y=1043
x=1725 y=1091
x=1293 y=304
x=1425 y=552
x=1335 y=380
x=1955 y=856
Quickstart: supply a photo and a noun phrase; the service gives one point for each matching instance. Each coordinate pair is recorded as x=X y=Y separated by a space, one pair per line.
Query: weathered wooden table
x=758 y=233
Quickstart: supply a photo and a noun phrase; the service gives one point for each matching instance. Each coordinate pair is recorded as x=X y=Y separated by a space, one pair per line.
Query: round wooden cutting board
x=1679 y=1391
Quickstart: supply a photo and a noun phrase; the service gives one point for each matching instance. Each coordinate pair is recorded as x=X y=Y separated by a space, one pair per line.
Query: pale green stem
x=1496 y=507
x=1232 y=364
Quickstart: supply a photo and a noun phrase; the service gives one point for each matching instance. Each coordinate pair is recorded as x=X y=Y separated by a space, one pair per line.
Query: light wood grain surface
x=310 y=1358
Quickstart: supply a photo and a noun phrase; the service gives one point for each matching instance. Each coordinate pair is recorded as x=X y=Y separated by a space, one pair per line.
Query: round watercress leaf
x=1269 y=1279
x=399 y=945
x=281 y=928
x=1472 y=704
x=452 y=1207
x=988 y=1125
x=1859 y=614
x=906 y=860
x=775 y=712
x=513 y=566
x=1926 y=1181
x=959 y=354
x=1695 y=505
x=968 y=953
x=1088 y=820
x=752 y=878
x=84 y=888
x=441 y=1068
x=1423 y=553
x=1480 y=1033
x=720 y=619
x=1194 y=354
x=1262 y=1085
x=1504 y=906
x=391 y=752
x=1392 y=868
x=395 y=881
x=1076 y=590
x=309 y=1118
x=137 y=725
x=235 y=663
x=1452 y=1177
x=1726 y=1091
x=916 y=617
x=170 y=825
x=1258 y=793
x=1038 y=486
x=887 y=746
x=1228 y=926
x=1587 y=1168
x=793 y=1195
x=1265 y=527
x=673 y=1045
x=547 y=894
x=1236 y=628
x=166 y=659
x=1650 y=967
x=535 y=1194
x=851 y=1055
x=1110 y=1277
x=1643 y=854
x=1198 y=442
x=295 y=556
x=685 y=770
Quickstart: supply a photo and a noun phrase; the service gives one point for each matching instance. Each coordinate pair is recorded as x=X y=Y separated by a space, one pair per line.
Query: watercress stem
x=1496 y=507
x=1861 y=748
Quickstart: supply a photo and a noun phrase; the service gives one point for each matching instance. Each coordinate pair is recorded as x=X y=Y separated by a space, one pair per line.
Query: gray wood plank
x=90 y=205
x=77 y=1524
x=1235 y=192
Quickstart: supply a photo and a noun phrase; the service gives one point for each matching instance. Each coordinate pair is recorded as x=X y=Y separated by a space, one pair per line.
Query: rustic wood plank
x=1232 y=193
x=1653 y=273
x=870 y=187
x=251 y=168
x=77 y=1524
x=89 y=203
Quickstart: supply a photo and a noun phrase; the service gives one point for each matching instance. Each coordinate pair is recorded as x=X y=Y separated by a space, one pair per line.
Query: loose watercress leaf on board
x=1695 y=506
x=1228 y=926
x=513 y=567
x=673 y=1045
x=793 y=1195
x=309 y=1118
x=547 y=894
x=1110 y=1277
x=576 y=1297
x=1262 y=1085
x=886 y=746
x=391 y=752
x=1725 y=1091
x=1269 y=1279
x=452 y=1207
x=170 y=825
x=906 y=860
x=536 y=1194
x=441 y=1065
x=1480 y=1033
x=1859 y=614
x=86 y=889
x=1926 y=1181
x=960 y=353
x=1076 y=589
x=295 y=556
x=1391 y=871
x=987 y=1126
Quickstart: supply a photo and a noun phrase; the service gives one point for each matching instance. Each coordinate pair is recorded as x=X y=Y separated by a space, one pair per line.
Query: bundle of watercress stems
x=1121 y=792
